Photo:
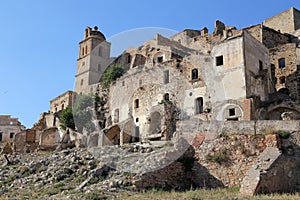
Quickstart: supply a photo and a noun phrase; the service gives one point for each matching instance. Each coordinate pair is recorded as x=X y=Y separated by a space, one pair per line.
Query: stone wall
x=286 y=76
x=195 y=125
x=61 y=102
x=283 y=22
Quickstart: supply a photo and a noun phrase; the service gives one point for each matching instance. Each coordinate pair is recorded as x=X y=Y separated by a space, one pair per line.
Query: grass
x=218 y=157
x=205 y=194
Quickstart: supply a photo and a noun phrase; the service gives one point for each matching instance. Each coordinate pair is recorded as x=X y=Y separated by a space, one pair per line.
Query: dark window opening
x=62 y=106
x=233 y=119
x=284 y=91
x=261 y=66
x=219 y=60
x=1 y=136
x=194 y=74
x=159 y=59
x=11 y=135
x=199 y=105
x=281 y=62
x=166 y=77
x=232 y=112
x=136 y=103
x=81 y=82
x=167 y=97
x=123 y=83
x=129 y=59
x=282 y=80
x=137 y=119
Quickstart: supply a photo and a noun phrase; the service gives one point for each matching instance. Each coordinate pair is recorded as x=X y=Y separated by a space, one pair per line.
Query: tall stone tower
x=93 y=59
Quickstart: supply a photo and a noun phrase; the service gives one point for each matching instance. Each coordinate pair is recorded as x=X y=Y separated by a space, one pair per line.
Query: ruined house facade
x=61 y=102
x=229 y=74
x=9 y=127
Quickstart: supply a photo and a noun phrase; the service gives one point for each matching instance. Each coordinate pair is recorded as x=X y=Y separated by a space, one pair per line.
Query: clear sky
x=39 y=39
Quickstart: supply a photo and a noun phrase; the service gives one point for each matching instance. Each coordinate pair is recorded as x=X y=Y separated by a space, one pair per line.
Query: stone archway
x=277 y=113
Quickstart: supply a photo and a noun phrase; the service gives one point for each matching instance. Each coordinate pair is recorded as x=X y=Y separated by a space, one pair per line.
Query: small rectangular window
x=160 y=59
x=199 y=105
x=219 y=60
x=282 y=80
x=1 y=136
x=261 y=66
x=281 y=62
x=231 y=112
x=166 y=77
x=11 y=135
x=136 y=103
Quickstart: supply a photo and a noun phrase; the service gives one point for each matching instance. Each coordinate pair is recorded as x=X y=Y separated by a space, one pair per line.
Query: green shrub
x=283 y=134
x=111 y=74
x=218 y=157
x=66 y=118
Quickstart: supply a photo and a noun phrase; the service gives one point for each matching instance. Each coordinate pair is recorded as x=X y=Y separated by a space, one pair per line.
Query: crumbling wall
x=286 y=72
x=283 y=22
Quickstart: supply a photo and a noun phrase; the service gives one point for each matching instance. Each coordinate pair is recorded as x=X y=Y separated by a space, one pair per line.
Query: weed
x=219 y=157
x=283 y=134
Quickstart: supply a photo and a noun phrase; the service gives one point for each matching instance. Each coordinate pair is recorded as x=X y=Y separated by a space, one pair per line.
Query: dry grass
x=202 y=194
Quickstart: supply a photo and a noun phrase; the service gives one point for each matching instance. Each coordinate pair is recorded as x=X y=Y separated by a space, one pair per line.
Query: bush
x=218 y=157
x=111 y=74
x=283 y=134
x=66 y=118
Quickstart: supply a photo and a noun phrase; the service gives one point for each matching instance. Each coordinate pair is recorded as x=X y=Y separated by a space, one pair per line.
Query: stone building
x=61 y=102
x=229 y=74
x=9 y=127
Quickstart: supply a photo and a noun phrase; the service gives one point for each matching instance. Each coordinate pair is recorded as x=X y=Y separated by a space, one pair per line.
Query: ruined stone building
x=230 y=74
x=9 y=127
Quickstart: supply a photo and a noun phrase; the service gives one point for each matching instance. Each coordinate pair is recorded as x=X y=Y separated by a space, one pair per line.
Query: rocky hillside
x=112 y=171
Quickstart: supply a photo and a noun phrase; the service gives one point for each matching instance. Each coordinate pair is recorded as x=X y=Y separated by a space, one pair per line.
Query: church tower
x=93 y=59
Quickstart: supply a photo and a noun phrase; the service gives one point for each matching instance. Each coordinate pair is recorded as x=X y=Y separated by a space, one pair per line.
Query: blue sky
x=39 y=39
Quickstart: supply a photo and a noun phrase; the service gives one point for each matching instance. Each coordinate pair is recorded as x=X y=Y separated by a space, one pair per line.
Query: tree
x=66 y=118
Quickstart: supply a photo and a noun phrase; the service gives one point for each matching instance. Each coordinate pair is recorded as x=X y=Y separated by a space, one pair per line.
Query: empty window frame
x=219 y=60
x=281 y=62
x=194 y=74
x=261 y=66
x=160 y=59
x=231 y=111
x=167 y=97
x=136 y=103
x=199 y=105
x=282 y=80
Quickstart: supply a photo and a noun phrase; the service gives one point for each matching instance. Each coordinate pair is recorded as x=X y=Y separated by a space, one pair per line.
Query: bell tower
x=93 y=59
